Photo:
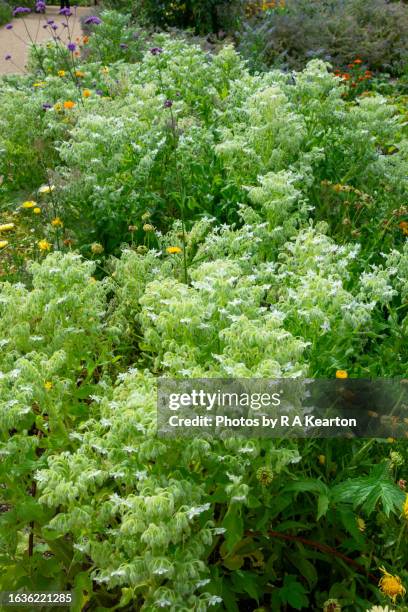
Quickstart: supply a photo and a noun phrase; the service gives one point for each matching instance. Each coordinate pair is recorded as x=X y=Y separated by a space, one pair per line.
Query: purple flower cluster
x=93 y=20
x=168 y=104
x=21 y=10
x=65 y=11
x=71 y=47
x=156 y=50
x=9 y=26
x=46 y=106
x=40 y=6
x=7 y=57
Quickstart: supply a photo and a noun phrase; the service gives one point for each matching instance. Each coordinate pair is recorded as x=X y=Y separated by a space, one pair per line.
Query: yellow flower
x=341 y=374
x=58 y=107
x=48 y=385
x=44 y=245
x=105 y=70
x=96 y=248
x=79 y=74
x=391 y=585
x=61 y=73
x=3 y=244
x=361 y=523
x=29 y=204
x=172 y=250
x=86 y=93
x=148 y=227
x=40 y=84
x=322 y=459
x=405 y=508
x=46 y=189
x=37 y=210
x=6 y=227
x=57 y=222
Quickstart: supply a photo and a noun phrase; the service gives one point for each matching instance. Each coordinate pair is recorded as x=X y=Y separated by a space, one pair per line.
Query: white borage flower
x=214 y=600
x=163 y=603
x=195 y=511
x=96 y=398
x=219 y=530
x=105 y=422
x=202 y=583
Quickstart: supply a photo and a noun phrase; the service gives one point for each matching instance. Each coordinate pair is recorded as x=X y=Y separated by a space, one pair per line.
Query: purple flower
x=21 y=10
x=123 y=46
x=9 y=26
x=65 y=11
x=71 y=47
x=7 y=57
x=46 y=106
x=156 y=50
x=50 y=21
x=40 y=6
x=54 y=27
x=64 y=25
x=99 y=92
x=93 y=20
x=168 y=104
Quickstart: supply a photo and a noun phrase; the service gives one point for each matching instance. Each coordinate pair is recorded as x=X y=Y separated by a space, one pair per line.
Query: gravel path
x=14 y=42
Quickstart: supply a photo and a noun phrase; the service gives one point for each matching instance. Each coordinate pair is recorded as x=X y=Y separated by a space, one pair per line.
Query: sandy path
x=11 y=43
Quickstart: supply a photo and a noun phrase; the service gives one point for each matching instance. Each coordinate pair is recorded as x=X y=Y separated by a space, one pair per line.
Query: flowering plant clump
x=167 y=213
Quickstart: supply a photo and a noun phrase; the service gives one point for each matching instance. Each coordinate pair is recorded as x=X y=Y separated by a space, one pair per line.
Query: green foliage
x=5 y=13
x=229 y=225
x=333 y=30
x=201 y=15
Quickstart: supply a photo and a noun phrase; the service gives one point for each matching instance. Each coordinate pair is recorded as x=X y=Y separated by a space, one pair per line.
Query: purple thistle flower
x=71 y=47
x=93 y=20
x=46 y=106
x=21 y=10
x=9 y=26
x=168 y=104
x=7 y=57
x=156 y=50
x=40 y=6
x=50 y=21
x=65 y=11
x=54 y=27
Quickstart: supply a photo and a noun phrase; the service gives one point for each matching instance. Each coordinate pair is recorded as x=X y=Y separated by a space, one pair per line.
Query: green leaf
x=322 y=505
x=304 y=566
x=369 y=491
x=234 y=525
x=293 y=593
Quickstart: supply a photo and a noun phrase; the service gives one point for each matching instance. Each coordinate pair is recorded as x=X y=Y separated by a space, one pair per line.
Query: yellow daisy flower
x=391 y=585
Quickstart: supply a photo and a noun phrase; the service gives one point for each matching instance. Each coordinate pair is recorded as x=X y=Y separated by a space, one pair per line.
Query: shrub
x=5 y=12
x=332 y=30
x=201 y=16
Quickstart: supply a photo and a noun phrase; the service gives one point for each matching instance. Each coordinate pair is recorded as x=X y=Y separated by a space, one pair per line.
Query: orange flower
x=85 y=40
x=86 y=93
x=69 y=104
x=345 y=76
x=358 y=61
